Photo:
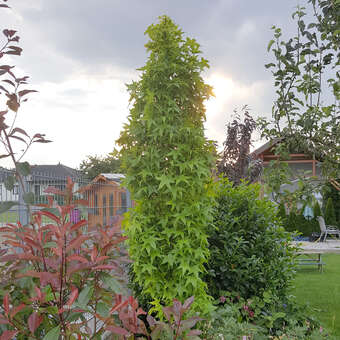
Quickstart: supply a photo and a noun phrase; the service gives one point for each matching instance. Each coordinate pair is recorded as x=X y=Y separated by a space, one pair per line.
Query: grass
x=9 y=217
x=321 y=291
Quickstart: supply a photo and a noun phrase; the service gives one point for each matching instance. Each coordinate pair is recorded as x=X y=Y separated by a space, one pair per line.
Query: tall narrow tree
x=167 y=161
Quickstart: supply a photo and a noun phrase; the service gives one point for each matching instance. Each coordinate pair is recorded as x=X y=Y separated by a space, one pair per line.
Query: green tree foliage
x=305 y=68
x=93 y=166
x=330 y=217
x=281 y=212
x=167 y=162
x=249 y=250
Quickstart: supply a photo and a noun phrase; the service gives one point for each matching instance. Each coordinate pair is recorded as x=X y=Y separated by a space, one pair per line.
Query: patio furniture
x=327 y=229
x=309 y=260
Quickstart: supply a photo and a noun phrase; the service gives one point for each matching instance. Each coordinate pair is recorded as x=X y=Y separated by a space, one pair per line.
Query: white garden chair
x=327 y=229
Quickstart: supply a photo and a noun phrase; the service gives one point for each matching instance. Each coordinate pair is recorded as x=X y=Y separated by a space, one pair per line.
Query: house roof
x=114 y=177
x=58 y=171
x=265 y=146
x=110 y=179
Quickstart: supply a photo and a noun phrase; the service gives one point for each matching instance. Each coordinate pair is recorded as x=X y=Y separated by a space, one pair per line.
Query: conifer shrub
x=330 y=217
x=329 y=191
x=167 y=161
x=317 y=209
x=250 y=252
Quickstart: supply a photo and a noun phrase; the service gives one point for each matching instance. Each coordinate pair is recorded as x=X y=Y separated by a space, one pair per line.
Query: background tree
x=236 y=162
x=93 y=166
x=167 y=161
x=305 y=115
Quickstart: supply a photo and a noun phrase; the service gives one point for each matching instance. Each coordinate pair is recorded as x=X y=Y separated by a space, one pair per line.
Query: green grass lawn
x=321 y=291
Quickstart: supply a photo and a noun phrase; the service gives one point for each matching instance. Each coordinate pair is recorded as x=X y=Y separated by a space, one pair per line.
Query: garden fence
x=106 y=201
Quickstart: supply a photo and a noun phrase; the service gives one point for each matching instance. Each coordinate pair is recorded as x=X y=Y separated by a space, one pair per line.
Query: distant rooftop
x=114 y=177
x=58 y=170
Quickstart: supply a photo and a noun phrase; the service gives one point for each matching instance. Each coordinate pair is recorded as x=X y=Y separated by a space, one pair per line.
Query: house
x=298 y=162
x=40 y=178
x=107 y=199
x=8 y=195
x=43 y=176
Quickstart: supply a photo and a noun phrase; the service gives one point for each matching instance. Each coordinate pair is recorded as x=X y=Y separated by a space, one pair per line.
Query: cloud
x=80 y=54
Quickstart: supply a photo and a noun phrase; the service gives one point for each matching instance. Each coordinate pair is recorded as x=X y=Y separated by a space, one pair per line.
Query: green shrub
x=298 y=223
x=317 y=210
x=329 y=191
x=249 y=249
x=330 y=217
x=167 y=161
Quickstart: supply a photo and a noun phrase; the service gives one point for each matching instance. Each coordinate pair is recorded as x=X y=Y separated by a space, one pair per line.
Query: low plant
x=261 y=317
x=61 y=280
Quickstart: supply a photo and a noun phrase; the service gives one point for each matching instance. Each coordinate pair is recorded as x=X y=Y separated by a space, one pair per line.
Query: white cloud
x=82 y=115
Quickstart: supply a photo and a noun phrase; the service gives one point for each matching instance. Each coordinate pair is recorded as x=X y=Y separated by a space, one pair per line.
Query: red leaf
x=77 y=258
x=9 y=33
x=20 y=131
x=9 y=82
x=24 y=92
x=119 y=306
x=187 y=303
x=6 y=304
x=42 y=141
x=8 y=335
x=1 y=87
x=77 y=242
x=78 y=225
x=34 y=321
x=32 y=243
x=94 y=254
x=16 y=137
x=73 y=296
x=117 y=330
x=104 y=267
x=194 y=332
x=40 y=295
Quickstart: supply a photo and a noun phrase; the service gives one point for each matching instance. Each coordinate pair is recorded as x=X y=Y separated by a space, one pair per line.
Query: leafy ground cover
x=322 y=292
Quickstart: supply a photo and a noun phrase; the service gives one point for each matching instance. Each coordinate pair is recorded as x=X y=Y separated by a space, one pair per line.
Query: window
x=111 y=205
x=37 y=190
x=123 y=201
x=104 y=205
x=96 y=210
x=104 y=209
x=16 y=189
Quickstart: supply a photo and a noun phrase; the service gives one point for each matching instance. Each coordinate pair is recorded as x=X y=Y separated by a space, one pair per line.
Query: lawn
x=321 y=291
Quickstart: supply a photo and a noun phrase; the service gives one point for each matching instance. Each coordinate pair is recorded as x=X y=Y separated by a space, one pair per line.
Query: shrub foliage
x=167 y=161
x=250 y=251
x=330 y=217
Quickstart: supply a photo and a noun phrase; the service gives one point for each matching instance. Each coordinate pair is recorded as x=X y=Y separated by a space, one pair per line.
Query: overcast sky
x=80 y=54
